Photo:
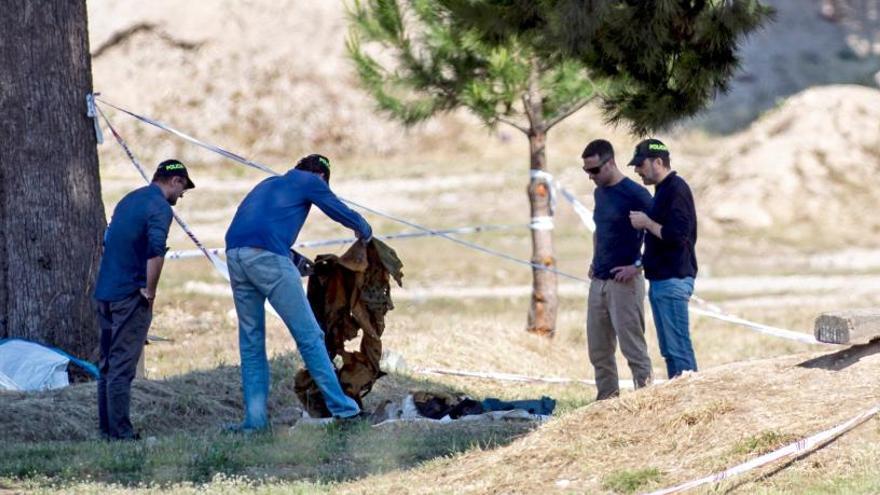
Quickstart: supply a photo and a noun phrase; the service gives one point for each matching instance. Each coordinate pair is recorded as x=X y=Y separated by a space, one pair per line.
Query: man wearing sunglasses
x=615 y=305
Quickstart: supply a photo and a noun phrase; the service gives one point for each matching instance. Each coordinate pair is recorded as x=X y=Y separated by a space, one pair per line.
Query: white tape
x=191 y=253
x=582 y=211
x=194 y=253
x=541 y=175
x=551 y=185
x=797 y=448
x=92 y=113
x=765 y=329
x=541 y=223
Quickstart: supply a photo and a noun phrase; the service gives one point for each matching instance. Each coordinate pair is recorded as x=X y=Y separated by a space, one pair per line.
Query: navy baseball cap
x=170 y=168
x=649 y=148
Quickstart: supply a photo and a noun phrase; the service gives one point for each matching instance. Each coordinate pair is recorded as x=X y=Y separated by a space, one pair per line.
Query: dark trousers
x=124 y=326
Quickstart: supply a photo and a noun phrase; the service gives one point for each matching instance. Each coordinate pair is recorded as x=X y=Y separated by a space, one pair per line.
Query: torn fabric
x=350 y=295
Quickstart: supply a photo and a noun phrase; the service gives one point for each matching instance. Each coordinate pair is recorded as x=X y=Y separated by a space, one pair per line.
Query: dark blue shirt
x=673 y=256
x=617 y=242
x=273 y=213
x=137 y=232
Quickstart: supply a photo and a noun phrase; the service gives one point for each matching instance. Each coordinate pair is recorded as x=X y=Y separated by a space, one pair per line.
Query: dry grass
x=684 y=429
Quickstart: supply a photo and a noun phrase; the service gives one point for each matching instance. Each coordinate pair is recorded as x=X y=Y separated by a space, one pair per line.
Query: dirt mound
x=806 y=168
x=799 y=49
x=679 y=430
x=265 y=78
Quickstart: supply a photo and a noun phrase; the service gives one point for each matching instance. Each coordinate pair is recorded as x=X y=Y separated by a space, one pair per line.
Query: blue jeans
x=257 y=275
x=669 y=303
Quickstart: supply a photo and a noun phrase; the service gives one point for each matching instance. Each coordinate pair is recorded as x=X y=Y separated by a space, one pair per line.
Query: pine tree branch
x=568 y=111
x=511 y=123
x=527 y=105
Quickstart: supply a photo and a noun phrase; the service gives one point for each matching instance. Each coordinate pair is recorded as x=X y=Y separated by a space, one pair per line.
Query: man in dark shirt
x=260 y=267
x=615 y=306
x=670 y=253
x=134 y=253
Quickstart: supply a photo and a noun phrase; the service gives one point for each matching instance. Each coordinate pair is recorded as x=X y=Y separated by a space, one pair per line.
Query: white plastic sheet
x=6 y=383
x=31 y=367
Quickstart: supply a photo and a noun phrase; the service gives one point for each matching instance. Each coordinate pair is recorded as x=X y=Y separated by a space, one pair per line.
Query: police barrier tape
x=218 y=264
x=177 y=255
x=711 y=311
x=268 y=170
x=800 y=447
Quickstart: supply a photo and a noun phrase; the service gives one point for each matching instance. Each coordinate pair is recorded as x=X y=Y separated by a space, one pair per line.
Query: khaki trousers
x=616 y=312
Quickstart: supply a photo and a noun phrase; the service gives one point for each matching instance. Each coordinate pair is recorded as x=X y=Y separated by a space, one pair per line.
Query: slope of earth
x=803 y=172
x=670 y=433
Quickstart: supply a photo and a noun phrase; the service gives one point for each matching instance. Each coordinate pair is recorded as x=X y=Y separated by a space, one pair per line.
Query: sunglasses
x=595 y=170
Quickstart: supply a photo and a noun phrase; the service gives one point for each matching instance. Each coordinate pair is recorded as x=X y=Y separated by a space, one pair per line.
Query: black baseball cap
x=171 y=168
x=649 y=148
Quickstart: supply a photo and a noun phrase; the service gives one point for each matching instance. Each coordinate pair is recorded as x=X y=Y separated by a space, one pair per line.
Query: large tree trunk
x=51 y=214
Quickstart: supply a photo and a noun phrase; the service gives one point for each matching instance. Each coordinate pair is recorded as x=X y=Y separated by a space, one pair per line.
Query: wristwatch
x=638 y=263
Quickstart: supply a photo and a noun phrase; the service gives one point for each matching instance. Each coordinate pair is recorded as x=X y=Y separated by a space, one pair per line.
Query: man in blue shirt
x=615 y=306
x=260 y=267
x=134 y=253
x=670 y=253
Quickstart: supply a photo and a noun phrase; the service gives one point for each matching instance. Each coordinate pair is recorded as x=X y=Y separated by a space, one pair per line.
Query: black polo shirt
x=673 y=256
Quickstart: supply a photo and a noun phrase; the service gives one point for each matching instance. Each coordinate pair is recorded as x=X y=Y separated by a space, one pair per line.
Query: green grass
x=630 y=480
x=315 y=453
x=762 y=443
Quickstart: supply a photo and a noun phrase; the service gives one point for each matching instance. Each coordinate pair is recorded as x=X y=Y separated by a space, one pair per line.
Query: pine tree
x=530 y=64
x=666 y=58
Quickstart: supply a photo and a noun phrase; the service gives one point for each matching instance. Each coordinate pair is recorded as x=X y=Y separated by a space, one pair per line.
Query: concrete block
x=854 y=326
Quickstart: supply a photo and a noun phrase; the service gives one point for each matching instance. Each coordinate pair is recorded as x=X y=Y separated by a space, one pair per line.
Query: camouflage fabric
x=350 y=295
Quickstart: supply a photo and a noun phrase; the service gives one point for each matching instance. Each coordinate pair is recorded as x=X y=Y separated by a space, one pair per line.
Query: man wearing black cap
x=134 y=253
x=670 y=259
x=258 y=244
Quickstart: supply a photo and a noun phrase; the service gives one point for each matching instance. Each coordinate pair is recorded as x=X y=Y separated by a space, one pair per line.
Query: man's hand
x=149 y=296
x=624 y=273
x=639 y=220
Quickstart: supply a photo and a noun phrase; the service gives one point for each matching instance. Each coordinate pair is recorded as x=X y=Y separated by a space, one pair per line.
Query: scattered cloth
x=350 y=295
x=432 y=407
x=439 y=405
x=543 y=406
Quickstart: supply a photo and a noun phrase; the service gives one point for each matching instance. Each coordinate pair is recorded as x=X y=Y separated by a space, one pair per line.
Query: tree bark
x=544 y=303
x=51 y=213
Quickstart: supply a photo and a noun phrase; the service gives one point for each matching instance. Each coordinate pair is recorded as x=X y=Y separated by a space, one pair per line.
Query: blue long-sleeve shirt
x=673 y=256
x=273 y=213
x=137 y=232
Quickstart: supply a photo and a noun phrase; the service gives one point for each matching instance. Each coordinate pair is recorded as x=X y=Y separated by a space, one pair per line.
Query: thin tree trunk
x=544 y=303
x=51 y=213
